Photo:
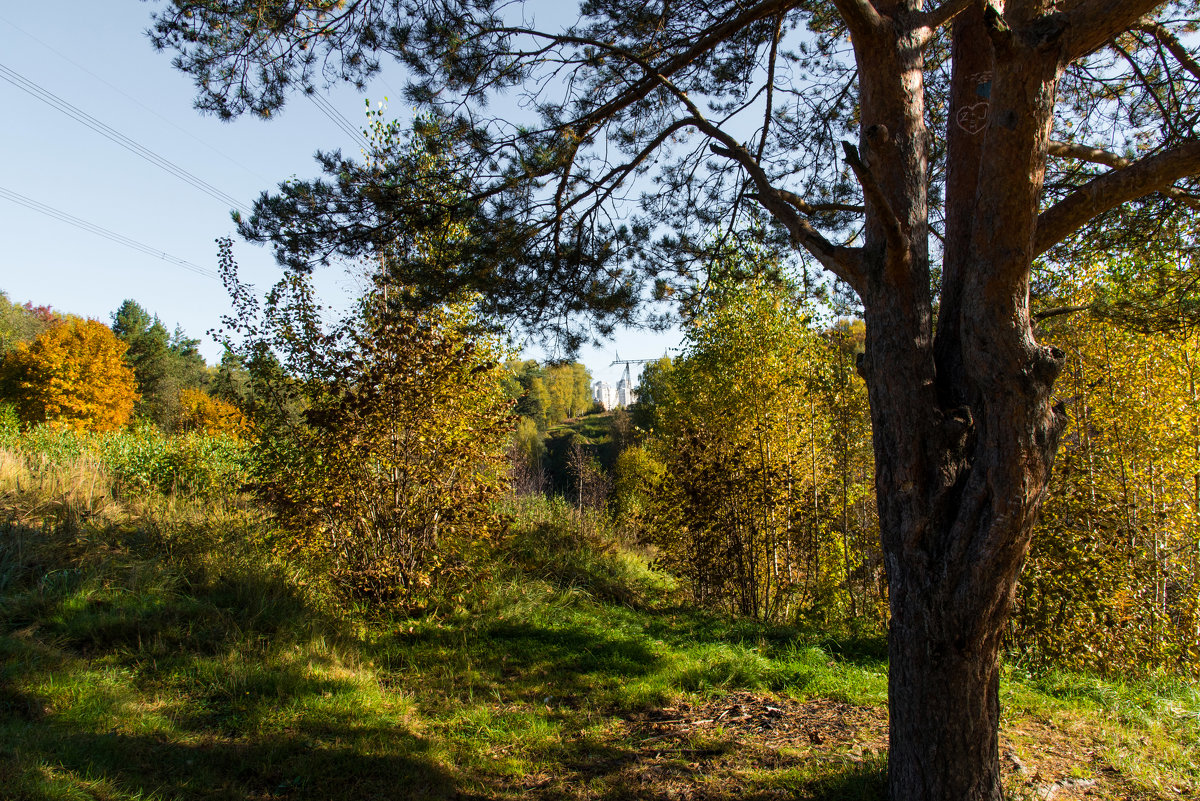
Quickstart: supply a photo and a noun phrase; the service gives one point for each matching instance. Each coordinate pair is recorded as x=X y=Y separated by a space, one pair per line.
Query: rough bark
x=964 y=431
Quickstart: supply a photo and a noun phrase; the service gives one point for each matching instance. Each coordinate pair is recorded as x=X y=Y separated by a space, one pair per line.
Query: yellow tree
x=850 y=479
x=743 y=433
x=1112 y=580
x=73 y=374
x=568 y=386
x=390 y=446
x=410 y=445
x=199 y=411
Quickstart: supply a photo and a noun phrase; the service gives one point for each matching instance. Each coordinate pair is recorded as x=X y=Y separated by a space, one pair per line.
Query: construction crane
x=627 y=362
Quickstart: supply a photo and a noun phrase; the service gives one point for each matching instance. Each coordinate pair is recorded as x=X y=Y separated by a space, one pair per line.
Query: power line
x=130 y=97
x=99 y=230
x=115 y=136
x=339 y=119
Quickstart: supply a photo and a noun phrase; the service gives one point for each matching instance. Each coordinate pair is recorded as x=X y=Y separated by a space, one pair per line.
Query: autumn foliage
x=73 y=374
x=761 y=496
x=199 y=411
x=400 y=456
x=1113 y=577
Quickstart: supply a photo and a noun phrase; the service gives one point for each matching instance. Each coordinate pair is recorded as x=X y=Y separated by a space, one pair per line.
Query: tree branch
x=1091 y=23
x=1086 y=153
x=613 y=178
x=893 y=230
x=775 y=36
x=861 y=16
x=845 y=263
x=710 y=39
x=1058 y=311
x=804 y=207
x=1140 y=74
x=1171 y=42
x=1097 y=156
x=1152 y=174
x=937 y=17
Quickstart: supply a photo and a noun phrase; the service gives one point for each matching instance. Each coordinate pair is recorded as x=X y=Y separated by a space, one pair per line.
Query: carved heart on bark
x=973 y=119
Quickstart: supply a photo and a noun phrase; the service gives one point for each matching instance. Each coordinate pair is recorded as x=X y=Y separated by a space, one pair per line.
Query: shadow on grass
x=176 y=698
x=562 y=664
x=720 y=770
x=125 y=595
x=359 y=764
x=858 y=781
x=682 y=626
x=16 y=705
x=237 y=705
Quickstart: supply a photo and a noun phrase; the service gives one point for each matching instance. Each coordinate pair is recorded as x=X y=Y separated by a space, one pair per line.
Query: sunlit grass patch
x=1147 y=731
x=834 y=778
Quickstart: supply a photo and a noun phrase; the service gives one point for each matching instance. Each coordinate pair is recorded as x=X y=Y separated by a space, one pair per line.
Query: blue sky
x=95 y=56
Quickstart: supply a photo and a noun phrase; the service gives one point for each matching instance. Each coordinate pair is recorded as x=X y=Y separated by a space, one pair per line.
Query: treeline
x=63 y=370
x=548 y=394
x=381 y=442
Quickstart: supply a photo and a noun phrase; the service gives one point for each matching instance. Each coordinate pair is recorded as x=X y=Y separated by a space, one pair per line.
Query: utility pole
x=627 y=362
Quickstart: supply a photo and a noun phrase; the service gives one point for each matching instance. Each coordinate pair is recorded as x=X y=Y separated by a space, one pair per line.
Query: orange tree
x=73 y=374
x=199 y=411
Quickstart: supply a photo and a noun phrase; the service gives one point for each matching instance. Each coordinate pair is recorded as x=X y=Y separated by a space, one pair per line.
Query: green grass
x=135 y=462
x=1147 y=730
x=595 y=433
x=161 y=649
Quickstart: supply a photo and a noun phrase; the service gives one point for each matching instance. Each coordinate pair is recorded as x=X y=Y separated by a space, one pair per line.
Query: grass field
x=159 y=647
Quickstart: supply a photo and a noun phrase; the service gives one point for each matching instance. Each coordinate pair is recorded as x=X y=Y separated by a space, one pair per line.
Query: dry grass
x=34 y=488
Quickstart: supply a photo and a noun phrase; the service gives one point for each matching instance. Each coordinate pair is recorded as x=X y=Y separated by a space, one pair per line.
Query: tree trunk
x=945 y=712
x=955 y=532
x=964 y=430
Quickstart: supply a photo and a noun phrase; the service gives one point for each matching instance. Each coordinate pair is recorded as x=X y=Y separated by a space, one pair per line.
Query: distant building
x=626 y=394
x=604 y=395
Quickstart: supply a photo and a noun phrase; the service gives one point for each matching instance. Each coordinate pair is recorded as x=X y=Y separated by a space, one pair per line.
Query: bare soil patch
x=757 y=746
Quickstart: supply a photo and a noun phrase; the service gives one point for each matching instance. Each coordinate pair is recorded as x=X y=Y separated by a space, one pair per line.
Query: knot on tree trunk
x=878 y=135
x=1060 y=421
x=861 y=366
x=1045 y=32
x=1048 y=364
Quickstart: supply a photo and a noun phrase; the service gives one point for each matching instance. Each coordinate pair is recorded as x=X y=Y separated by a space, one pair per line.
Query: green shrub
x=198 y=464
x=139 y=461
